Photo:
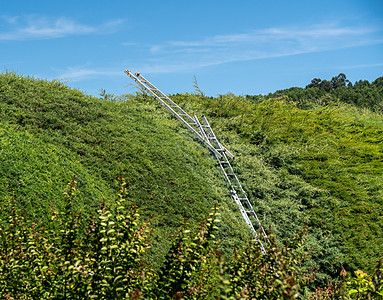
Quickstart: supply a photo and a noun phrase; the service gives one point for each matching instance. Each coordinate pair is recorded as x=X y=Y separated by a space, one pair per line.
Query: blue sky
x=241 y=47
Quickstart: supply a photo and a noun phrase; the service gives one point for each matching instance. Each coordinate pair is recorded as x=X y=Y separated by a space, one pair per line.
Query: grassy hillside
x=314 y=162
x=321 y=165
x=48 y=133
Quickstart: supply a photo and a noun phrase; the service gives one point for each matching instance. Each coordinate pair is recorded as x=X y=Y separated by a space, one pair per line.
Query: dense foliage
x=305 y=156
x=362 y=93
x=49 y=132
x=101 y=257
x=309 y=162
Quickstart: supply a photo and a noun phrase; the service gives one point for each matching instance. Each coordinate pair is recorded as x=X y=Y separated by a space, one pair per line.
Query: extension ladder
x=205 y=134
x=172 y=107
x=237 y=193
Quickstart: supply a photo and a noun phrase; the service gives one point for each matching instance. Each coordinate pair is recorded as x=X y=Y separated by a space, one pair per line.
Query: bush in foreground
x=102 y=257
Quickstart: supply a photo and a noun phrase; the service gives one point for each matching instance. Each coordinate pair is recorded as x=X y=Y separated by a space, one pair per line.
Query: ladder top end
x=127 y=71
x=137 y=73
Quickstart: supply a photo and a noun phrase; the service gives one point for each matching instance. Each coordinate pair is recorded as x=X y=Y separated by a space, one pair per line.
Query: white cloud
x=362 y=66
x=180 y=56
x=79 y=73
x=258 y=44
x=128 y=44
x=113 y=23
x=53 y=29
x=10 y=19
x=38 y=27
x=155 y=49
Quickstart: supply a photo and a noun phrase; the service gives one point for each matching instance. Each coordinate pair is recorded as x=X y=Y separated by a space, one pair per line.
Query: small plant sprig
x=196 y=87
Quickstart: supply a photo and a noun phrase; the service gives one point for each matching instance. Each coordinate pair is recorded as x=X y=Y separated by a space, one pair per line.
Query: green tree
x=339 y=81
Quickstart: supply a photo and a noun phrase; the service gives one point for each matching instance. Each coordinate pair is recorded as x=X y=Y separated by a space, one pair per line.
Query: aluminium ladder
x=205 y=134
x=172 y=107
x=237 y=193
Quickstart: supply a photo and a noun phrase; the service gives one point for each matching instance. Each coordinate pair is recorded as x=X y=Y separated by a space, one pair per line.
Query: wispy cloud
x=182 y=55
x=258 y=44
x=127 y=44
x=79 y=73
x=39 y=27
x=362 y=66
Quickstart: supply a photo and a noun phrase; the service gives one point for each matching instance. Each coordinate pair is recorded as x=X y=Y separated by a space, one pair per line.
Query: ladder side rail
x=247 y=220
x=238 y=182
x=223 y=162
x=174 y=113
x=163 y=103
x=153 y=87
x=251 y=209
x=238 y=186
x=256 y=234
x=210 y=134
x=253 y=213
x=246 y=199
x=254 y=231
x=228 y=153
x=264 y=234
x=231 y=170
x=199 y=126
x=239 y=203
x=224 y=171
x=223 y=156
x=235 y=178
